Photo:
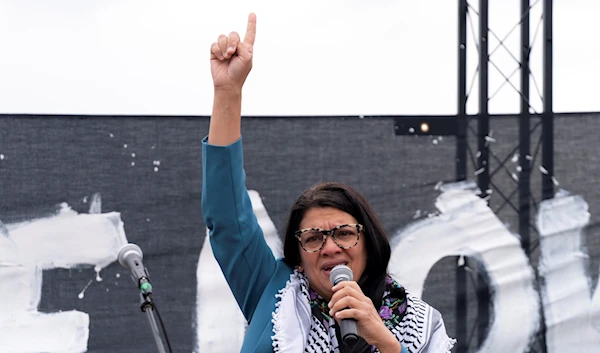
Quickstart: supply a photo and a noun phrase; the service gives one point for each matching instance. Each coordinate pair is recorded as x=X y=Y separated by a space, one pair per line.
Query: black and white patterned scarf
x=301 y=322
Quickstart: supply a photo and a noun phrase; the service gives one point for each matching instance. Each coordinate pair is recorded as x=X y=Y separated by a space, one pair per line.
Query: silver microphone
x=130 y=256
x=347 y=326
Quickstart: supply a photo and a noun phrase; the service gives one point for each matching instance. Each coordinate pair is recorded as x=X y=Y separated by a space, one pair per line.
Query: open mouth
x=327 y=269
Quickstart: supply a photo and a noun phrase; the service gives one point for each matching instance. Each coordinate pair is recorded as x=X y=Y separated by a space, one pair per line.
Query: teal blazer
x=238 y=243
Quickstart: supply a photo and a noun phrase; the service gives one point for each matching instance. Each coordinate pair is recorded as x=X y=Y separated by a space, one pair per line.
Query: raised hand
x=349 y=302
x=230 y=63
x=231 y=59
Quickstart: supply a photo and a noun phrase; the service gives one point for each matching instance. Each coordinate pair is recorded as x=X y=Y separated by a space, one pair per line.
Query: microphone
x=130 y=256
x=347 y=326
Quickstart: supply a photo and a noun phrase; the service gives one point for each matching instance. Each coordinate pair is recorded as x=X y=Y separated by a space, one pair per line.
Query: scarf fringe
x=449 y=344
x=277 y=339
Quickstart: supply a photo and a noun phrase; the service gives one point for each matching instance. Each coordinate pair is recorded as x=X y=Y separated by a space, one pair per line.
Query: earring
x=300 y=269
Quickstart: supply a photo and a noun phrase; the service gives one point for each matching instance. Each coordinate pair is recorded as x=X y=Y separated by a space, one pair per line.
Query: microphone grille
x=129 y=250
x=340 y=273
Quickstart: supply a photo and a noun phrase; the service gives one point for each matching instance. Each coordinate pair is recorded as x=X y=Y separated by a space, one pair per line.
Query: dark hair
x=346 y=199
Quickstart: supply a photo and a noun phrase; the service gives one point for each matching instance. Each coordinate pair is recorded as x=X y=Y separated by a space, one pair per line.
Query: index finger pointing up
x=251 y=30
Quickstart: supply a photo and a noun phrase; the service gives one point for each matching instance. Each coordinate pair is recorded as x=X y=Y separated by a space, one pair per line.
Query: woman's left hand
x=349 y=302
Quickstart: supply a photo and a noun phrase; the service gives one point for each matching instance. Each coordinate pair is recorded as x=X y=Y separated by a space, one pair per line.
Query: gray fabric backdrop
x=49 y=160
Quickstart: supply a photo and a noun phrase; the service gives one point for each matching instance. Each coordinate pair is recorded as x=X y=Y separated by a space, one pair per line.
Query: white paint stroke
x=221 y=326
x=468 y=227
x=264 y=220
x=70 y=239
x=570 y=311
x=96 y=204
x=65 y=240
x=595 y=310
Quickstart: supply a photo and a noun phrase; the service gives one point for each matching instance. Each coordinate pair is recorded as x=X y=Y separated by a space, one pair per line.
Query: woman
x=290 y=303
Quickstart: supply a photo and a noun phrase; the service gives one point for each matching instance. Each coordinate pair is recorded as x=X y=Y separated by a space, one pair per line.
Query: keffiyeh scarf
x=301 y=322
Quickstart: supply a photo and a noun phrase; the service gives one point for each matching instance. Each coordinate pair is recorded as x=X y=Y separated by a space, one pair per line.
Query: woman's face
x=318 y=265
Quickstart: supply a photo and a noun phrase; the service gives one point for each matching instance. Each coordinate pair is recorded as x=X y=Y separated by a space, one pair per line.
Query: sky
x=314 y=57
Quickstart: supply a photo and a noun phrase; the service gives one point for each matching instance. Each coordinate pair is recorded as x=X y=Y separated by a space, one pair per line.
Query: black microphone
x=347 y=326
x=130 y=256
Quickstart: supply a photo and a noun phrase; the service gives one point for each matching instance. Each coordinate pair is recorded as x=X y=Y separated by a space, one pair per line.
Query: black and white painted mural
x=74 y=189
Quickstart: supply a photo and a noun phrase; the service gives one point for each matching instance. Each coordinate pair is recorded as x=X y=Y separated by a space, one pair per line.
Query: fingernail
x=230 y=49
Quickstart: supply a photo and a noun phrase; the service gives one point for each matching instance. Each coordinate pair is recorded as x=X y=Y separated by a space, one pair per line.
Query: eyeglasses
x=344 y=235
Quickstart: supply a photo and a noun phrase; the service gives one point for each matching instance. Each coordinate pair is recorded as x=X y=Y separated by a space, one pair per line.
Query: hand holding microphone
x=356 y=313
x=348 y=328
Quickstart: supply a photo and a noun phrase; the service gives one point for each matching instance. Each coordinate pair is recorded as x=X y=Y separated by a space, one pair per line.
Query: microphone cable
x=162 y=324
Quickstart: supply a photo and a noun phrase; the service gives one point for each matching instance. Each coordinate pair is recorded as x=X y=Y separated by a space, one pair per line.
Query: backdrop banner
x=73 y=190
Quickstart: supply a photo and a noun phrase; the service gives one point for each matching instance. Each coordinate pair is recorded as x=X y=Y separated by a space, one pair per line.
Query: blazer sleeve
x=236 y=238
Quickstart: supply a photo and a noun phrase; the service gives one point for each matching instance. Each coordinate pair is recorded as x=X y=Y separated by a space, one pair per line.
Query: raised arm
x=236 y=238
x=230 y=63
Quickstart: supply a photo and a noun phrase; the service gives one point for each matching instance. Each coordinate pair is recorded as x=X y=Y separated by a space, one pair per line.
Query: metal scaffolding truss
x=491 y=177
x=522 y=150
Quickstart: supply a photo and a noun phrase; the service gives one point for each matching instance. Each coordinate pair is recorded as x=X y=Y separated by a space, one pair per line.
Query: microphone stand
x=148 y=307
x=130 y=256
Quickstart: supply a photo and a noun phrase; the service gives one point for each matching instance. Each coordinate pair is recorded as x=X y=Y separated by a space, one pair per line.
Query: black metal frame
x=548 y=114
x=462 y=344
x=524 y=133
x=459 y=126
x=483 y=170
